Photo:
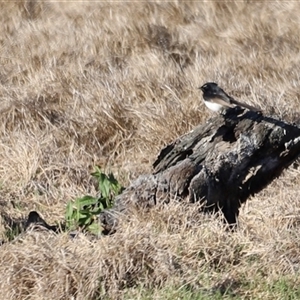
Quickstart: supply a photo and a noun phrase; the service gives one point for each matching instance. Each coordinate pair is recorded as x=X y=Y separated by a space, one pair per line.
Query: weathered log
x=220 y=163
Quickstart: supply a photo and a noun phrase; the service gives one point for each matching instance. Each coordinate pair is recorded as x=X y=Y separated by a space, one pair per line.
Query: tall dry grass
x=110 y=83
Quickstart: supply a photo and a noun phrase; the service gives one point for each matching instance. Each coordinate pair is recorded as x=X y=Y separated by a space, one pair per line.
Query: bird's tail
x=245 y=105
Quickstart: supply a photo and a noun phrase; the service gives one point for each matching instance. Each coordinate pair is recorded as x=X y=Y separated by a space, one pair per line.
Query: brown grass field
x=109 y=83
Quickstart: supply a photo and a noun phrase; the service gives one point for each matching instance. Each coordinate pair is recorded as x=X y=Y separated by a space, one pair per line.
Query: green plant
x=82 y=213
x=12 y=232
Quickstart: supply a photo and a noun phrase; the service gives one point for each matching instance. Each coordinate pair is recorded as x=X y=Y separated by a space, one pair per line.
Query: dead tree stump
x=220 y=163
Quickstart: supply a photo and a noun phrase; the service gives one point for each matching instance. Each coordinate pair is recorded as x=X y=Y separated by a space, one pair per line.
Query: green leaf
x=69 y=211
x=95 y=228
x=85 y=201
x=87 y=221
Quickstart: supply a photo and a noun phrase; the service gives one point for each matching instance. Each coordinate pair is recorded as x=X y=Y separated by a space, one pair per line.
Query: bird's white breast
x=214 y=106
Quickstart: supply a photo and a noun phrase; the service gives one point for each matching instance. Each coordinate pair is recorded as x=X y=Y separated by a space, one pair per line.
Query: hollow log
x=220 y=163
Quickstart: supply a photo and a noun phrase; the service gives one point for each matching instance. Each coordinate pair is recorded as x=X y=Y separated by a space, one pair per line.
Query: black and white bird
x=217 y=100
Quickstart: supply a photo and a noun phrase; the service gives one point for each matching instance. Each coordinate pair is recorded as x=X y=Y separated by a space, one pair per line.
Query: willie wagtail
x=217 y=100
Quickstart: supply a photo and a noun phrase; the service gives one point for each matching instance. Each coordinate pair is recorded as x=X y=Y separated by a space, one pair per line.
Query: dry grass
x=109 y=83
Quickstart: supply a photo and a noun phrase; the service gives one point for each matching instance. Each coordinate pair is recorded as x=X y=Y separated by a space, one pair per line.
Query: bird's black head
x=209 y=87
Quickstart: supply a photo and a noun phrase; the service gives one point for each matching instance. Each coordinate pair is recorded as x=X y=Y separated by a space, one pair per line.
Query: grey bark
x=220 y=163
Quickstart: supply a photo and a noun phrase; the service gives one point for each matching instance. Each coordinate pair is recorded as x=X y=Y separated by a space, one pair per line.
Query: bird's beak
x=200 y=88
